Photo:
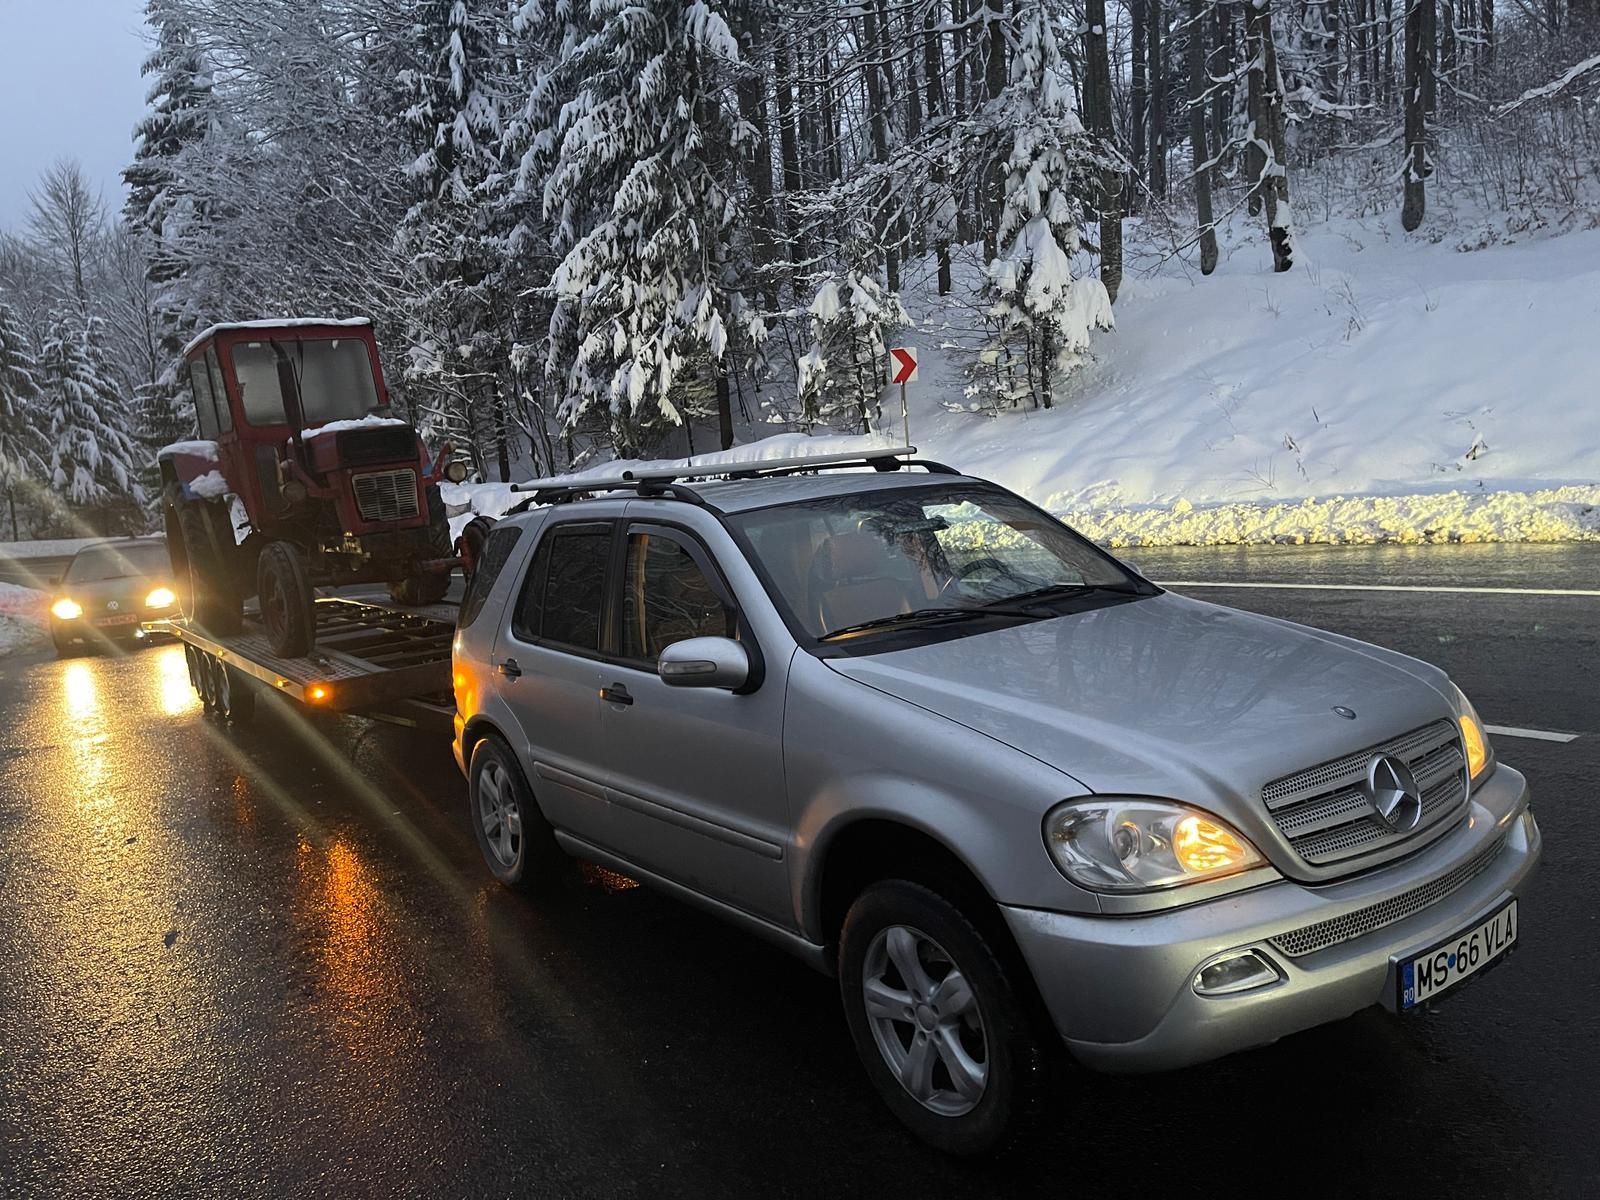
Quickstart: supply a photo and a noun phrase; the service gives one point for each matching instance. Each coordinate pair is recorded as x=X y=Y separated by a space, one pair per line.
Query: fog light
x=1230 y=974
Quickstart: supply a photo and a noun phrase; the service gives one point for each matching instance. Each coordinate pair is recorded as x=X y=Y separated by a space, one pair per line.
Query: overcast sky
x=69 y=87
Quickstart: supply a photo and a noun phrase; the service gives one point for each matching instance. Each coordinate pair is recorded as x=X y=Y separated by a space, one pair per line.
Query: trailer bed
x=368 y=654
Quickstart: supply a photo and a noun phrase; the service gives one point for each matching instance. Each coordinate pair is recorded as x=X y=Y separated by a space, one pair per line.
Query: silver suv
x=912 y=728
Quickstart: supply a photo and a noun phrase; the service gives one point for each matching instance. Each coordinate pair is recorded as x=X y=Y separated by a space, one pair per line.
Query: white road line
x=1537 y=735
x=1378 y=587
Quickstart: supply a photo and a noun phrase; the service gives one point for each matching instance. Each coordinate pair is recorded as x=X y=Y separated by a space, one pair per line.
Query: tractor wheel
x=429 y=588
x=286 y=599
x=470 y=544
x=210 y=599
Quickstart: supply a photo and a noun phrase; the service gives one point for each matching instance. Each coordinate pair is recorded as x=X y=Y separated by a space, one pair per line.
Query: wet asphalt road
x=267 y=962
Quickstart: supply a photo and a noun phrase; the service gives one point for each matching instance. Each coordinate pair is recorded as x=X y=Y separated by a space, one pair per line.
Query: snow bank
x=45 y=548
x=1551 y=515
x=23 y=619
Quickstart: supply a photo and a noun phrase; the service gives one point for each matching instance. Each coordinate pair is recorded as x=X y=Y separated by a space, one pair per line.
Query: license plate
x=124 y=619
x=1425 y=975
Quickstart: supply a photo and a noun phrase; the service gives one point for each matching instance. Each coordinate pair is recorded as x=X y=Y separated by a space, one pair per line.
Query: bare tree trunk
x=724 y=410
x=1430 y=55
x=1158 y=100
x=789 y=149
x=1199 y=151
x=1269 y=135
x=933 y=81
x=1488 y=36
x=1415 y=204
x=1138 y=98
x=1255 y=150
x=994 y=82
x=959 y=49
x=1221 y=63
x=1388 y=50
x=1097 y=87
x=751 y=92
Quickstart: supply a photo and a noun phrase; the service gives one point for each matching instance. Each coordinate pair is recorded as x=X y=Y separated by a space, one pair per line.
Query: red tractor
x=302 y=479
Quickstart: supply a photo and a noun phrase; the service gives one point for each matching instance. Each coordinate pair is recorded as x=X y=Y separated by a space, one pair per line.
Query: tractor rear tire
x=428 y=588
x=286 y=599
x=200 y=568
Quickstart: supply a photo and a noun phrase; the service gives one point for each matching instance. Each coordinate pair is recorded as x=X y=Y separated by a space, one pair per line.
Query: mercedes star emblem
x=1393 y=791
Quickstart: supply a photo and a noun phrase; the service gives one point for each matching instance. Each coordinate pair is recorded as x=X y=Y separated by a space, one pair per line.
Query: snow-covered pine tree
x=454 y=122
x=643 y=209
x=840 y=379
x=22 y=441
x=1043 y=317
x=181 y=112
x=93 y=458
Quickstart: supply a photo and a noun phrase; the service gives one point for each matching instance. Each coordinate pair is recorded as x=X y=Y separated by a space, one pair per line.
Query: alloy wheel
x=499 y=814
x=925 y=1020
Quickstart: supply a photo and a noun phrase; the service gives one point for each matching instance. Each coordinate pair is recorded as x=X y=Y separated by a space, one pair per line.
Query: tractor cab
x=301 y=477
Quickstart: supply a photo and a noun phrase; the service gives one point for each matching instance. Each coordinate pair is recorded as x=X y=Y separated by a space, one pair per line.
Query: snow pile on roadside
x=44 y=548
x=23 y=622
x=1553 y=515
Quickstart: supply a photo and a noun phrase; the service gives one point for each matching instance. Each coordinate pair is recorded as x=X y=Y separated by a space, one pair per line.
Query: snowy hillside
x=23 y=623
x=1391 y=390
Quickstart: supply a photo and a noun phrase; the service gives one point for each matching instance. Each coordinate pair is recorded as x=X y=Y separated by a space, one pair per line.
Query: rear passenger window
x=497 y=549
x=565 y=591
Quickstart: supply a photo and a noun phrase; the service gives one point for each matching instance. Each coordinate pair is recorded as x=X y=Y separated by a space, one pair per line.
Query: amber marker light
x=1203 y=847
x=318 y=693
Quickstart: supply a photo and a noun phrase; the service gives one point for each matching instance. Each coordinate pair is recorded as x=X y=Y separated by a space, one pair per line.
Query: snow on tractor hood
x=366 y=422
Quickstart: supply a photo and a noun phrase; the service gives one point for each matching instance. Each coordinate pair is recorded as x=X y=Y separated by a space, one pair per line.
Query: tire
x=210 y=599
x=205 y=680
x=972 y=1067
x=63 y=649
x=236 y=695
x=286 y=599
x=470 y=544
x=429 y=588
x=514 y=838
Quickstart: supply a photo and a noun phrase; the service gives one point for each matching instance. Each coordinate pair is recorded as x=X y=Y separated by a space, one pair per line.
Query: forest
x=605 y=228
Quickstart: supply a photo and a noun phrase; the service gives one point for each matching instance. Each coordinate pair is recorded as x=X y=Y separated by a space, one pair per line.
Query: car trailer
x=369 y=657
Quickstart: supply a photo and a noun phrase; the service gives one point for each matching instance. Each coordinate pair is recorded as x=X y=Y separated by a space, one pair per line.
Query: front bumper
x=1120 y=989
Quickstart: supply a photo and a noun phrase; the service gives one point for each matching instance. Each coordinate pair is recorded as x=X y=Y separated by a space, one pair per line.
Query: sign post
x=903 y=370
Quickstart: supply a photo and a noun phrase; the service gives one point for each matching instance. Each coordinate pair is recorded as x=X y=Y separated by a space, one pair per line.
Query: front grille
x=386 y=495
x=1324 y=811
x=1323 y=934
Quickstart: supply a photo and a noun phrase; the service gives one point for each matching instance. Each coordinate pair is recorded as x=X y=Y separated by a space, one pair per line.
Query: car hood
x=1166 y=696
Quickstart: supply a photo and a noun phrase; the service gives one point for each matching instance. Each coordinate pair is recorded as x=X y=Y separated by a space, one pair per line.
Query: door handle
x=616 y=694
x=510 y=668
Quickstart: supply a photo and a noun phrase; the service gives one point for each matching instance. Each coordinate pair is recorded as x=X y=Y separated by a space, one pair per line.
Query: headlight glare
x=1138 y=845
x=66 y=609
x=160 y=598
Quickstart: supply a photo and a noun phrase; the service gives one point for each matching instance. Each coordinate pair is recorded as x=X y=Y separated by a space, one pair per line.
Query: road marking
x=1537 y=735
x=1379 y=587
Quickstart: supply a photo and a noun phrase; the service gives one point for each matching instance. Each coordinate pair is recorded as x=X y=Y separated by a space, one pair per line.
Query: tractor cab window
x=200 y=383
x=332 y=378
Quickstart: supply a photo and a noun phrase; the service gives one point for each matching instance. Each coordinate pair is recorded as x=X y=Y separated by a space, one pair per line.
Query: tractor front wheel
x=428 y=588
x=286 y=599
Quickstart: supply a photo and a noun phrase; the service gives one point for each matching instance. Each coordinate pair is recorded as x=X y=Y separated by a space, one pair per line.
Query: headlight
x=66 y=609
x=1137 y=845
x=1480 y=755
x=160 y=598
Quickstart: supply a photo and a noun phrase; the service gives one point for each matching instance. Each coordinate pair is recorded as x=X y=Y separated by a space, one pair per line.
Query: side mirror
x=705 y=662
x=456 y=472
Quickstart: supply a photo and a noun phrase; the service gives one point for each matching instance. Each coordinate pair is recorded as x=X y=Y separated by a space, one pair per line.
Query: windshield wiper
x=1057 y=591
x=918 y=616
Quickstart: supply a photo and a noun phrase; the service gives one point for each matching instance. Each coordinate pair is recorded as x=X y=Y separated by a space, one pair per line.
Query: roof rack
x=666 y=481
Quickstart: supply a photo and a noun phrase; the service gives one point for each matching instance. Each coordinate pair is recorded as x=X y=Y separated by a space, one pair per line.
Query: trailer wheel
x=205 y=680
x=429 y=588
x=513 y=836
x=210 y=599
x=236 y=695
x=286 y=599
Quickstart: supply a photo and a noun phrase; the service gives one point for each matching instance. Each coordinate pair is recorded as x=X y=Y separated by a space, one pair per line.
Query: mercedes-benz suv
x=916 y=730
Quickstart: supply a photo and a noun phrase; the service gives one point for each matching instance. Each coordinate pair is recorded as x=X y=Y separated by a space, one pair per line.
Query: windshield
x=866 y=558
x=333 y=377
x=96 y=563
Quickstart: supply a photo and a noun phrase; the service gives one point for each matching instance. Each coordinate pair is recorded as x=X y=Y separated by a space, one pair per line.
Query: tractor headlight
x=456 y=472
x=1131 y=844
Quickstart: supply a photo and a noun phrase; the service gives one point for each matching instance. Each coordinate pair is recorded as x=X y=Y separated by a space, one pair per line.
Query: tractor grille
x=1324 y=811
x=386 y=495
x=1311 y=938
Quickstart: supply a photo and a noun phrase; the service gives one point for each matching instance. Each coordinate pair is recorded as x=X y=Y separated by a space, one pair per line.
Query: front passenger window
x=667 y=598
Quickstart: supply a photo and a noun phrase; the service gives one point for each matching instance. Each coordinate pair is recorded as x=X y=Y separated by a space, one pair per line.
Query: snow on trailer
x=369 y=657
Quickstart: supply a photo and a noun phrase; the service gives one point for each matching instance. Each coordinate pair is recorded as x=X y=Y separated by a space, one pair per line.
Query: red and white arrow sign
x=902 y=365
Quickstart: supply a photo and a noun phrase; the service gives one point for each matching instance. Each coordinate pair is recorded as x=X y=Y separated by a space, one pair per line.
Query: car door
x=548 y=670
x=696 y=773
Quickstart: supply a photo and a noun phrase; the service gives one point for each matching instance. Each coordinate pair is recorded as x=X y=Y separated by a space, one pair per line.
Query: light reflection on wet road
x=267 y=962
